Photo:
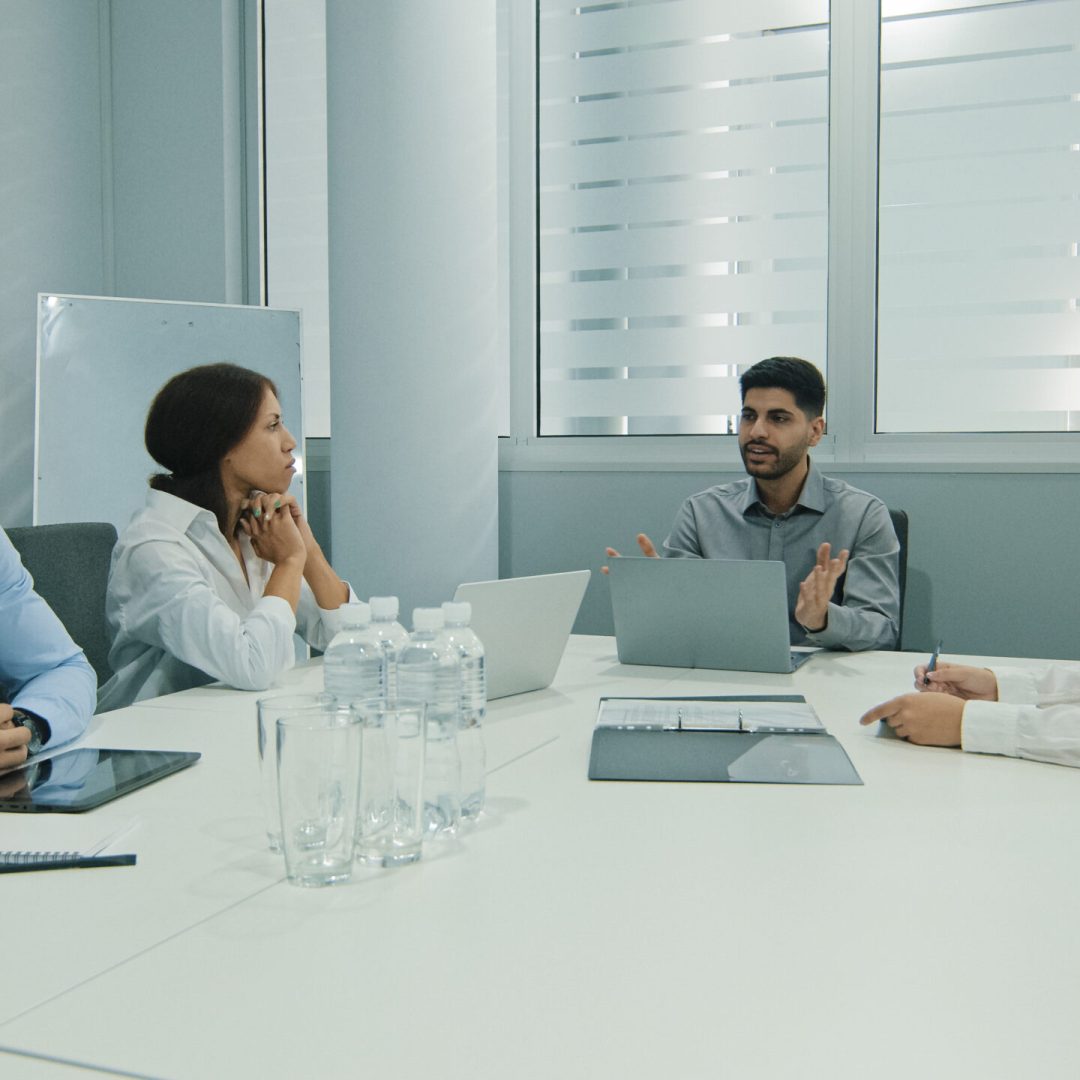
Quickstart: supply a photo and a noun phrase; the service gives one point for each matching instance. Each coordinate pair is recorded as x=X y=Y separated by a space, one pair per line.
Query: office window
x=979 y=193
x=683 y=206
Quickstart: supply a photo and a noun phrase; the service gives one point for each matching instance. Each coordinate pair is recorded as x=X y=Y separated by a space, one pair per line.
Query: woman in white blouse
x=211 y=579
x=1014 y=711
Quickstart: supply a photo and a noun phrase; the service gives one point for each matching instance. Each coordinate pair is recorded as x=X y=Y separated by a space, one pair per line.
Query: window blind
x=979 y=185
x=683 y=206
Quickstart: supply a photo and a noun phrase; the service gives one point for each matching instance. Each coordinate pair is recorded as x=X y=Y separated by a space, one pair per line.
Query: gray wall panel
x=175 y=145
x=991 y=564
x=50 y=201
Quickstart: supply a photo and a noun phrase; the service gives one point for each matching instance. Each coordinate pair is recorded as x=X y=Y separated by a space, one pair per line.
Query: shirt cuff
x=836 y=630
x=990 y=727
x=331 y=617
x=1016 y=686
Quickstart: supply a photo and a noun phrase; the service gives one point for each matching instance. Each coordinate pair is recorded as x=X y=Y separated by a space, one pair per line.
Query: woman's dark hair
x=799 y=377
x=196 y=418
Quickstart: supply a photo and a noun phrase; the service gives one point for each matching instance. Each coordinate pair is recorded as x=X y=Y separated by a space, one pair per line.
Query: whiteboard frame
x=65 y=489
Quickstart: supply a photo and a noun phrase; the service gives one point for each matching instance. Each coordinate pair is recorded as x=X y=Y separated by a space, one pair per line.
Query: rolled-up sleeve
x=317 y=625
x=1040 y=733
x=177 y=610
x=1036 y=716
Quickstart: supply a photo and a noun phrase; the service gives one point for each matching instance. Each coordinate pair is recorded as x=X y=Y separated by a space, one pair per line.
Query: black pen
x=69 y=864
x=933 y=663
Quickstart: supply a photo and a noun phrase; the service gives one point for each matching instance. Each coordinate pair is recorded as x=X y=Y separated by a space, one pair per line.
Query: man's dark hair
x=799 y=377
x=196 y=418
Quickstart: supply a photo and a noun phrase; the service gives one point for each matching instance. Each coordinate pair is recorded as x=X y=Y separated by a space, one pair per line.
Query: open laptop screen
x=524 y=624
x=707 y=613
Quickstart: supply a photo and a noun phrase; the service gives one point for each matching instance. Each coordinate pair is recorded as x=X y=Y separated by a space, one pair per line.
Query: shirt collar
x=177 y=512
x=812 y=496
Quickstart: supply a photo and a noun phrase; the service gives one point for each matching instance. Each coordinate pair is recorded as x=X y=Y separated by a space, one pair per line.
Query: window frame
x=850 y=442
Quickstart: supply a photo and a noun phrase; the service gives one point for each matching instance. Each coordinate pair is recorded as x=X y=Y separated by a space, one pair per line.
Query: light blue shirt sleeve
x=42 y=669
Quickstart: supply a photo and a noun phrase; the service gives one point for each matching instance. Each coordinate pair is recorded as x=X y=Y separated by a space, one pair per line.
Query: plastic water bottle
x=462 y=638
x=354 y=667
x=392 y=636
x=429 y=671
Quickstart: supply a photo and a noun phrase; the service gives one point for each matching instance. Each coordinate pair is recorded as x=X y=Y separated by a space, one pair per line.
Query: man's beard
x=779 y=465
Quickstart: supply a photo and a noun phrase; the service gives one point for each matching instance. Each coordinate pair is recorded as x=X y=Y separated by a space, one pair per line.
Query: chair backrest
x=70 y=567
x=900 y=524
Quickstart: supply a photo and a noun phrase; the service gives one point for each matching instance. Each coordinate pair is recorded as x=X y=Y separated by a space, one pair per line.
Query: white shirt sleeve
x=1036 y=716
x=176 y=609
x=317 y=625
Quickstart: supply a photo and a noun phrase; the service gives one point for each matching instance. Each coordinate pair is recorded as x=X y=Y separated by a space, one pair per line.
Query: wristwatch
x=38 y=728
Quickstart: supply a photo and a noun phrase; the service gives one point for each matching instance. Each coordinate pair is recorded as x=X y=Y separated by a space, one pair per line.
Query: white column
x=411 y=110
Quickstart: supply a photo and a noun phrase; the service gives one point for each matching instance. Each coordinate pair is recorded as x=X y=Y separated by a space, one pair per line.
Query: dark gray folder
x=669 y=753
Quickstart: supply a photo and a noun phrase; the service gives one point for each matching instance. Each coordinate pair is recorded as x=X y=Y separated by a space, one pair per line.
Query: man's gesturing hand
x=816 y=590
x=644 y=543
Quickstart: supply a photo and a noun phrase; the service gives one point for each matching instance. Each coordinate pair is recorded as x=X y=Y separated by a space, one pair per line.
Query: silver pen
x=933 y=663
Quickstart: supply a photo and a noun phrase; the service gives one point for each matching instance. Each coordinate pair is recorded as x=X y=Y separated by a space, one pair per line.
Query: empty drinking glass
x=318 y=777
x=390 y=820
x=268 y=709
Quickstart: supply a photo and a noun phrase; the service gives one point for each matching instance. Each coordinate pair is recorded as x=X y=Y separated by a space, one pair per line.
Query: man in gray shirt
x=786 y=510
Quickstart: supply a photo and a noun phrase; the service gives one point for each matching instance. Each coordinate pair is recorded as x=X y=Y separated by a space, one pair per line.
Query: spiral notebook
x=45 y=842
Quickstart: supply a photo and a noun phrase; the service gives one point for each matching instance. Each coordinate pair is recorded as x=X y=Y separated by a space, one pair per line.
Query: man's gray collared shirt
x=729 y=521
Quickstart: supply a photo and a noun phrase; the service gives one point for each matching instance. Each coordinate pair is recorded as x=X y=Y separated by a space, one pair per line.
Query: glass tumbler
x=318 y=780
x=268 y=709
x=390 y=820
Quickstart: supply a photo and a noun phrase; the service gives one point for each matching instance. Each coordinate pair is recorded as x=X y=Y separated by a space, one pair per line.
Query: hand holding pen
x=934 y=656
x=957 y=680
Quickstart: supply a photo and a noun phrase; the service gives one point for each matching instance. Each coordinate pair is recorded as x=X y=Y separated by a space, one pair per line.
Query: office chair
x=70 y=567
x=900 y=524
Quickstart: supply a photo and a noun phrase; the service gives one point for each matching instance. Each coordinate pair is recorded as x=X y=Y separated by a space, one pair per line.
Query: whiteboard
x=101 y=360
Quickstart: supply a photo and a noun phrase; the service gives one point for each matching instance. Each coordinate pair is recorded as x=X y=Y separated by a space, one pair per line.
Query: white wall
x=122 y=136
x=296 y=235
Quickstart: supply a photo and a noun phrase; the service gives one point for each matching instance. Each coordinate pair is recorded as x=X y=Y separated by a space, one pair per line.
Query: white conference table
x=923 y=924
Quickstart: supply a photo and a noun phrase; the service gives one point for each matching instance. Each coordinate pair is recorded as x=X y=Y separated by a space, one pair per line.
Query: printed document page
x=707 y=714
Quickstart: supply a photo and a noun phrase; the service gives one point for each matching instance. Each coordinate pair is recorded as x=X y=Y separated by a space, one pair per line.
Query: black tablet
x=81 y=779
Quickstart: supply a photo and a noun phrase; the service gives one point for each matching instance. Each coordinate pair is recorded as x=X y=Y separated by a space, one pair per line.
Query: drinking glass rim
x=282 y=696
x=337 y=718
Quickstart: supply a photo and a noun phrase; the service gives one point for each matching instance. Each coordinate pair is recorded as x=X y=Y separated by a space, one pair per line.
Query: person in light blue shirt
x=48 y=683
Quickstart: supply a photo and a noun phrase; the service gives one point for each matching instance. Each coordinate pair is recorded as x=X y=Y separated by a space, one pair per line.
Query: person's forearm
x=1028 y=731
x=329 y=590
x=285 y=581
x=64 y=696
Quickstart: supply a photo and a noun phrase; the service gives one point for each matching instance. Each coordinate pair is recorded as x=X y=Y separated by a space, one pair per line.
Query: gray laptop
x=524 y=624
x=702 y=613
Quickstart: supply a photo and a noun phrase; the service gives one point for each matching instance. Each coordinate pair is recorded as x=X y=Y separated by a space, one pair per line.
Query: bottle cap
x=457 y=612
x=427 y=618
x=384 y=607
x=355 y=613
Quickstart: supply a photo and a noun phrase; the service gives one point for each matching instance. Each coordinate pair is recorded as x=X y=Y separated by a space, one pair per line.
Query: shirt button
x=778 y=524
